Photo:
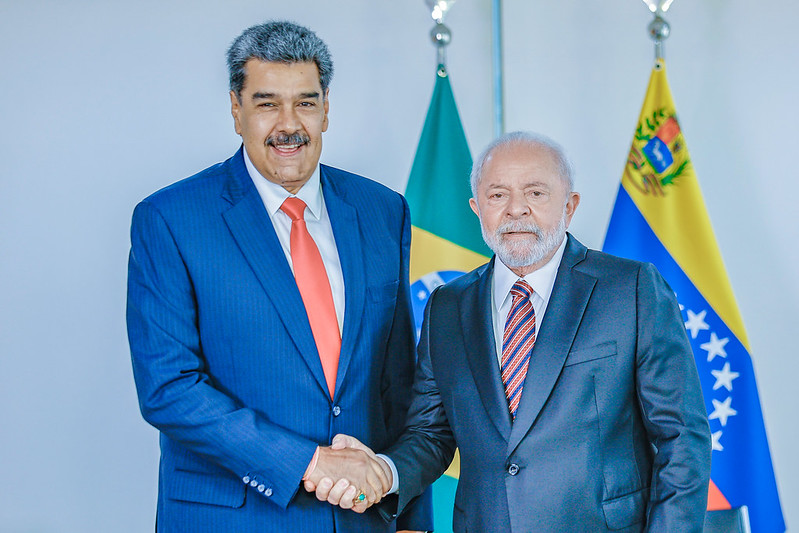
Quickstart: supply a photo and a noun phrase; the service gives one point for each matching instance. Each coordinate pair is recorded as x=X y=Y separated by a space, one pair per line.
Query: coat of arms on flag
x=657 y=156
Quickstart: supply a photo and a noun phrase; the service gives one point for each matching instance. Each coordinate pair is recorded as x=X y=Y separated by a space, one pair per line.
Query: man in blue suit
x=563 y=375
x=268 y=310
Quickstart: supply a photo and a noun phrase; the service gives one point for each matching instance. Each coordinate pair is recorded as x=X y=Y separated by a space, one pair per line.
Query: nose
x=517 y=205
x=288 y=121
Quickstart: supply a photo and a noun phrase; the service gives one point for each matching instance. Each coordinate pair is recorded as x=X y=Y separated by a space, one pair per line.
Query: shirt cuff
x=311 y=465
x=394 y=475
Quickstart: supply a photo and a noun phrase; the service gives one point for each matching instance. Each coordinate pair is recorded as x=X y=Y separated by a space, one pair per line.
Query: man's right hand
x=346 y=469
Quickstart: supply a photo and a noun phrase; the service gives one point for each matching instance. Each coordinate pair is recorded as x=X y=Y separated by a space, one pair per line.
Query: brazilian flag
x=446 y=239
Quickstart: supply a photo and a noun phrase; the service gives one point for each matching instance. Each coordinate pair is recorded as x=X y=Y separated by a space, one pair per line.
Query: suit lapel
x=478 y=333
x=346 y=231
x=567 y=304
x=252 y=230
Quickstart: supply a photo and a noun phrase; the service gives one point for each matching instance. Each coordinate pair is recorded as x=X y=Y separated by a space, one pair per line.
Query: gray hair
x=278 y=42
x=532 y=140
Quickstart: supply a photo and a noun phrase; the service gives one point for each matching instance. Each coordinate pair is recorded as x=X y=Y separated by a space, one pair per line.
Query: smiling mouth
x=287 y=149
x=287 y=144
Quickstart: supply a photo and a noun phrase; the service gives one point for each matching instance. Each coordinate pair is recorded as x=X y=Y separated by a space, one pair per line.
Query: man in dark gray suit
x=563 y=375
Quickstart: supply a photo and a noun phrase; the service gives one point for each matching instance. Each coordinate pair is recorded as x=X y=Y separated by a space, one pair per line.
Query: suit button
x=268 y=492
x=253 y=483
x=336 y=410
x=513 y=469
x=261 y=488
x=246 y=480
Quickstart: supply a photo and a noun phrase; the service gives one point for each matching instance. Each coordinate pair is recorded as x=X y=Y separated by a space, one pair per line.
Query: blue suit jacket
x=611 y=432
x=225 y=362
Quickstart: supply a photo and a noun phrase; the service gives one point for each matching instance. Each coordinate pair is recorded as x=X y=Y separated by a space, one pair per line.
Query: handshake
x=348 y=474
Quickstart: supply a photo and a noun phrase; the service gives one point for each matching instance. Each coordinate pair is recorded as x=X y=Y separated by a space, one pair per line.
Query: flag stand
x=446 y=239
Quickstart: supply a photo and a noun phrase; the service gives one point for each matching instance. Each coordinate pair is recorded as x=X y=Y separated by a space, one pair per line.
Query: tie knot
x=294 y=208
x=521 y=290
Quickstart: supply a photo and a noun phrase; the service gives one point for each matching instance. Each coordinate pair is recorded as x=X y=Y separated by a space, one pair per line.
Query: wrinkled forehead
x=522 y=163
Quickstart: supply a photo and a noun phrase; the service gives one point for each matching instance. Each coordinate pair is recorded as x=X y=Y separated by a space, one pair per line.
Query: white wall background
x=103 y=102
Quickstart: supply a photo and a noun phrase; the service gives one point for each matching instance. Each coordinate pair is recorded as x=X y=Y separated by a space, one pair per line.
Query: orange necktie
x=311 y=277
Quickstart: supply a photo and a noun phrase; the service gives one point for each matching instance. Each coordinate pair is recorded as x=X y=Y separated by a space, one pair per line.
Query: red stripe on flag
x=715 y=499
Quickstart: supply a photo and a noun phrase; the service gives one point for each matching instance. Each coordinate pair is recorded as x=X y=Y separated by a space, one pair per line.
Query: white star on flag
x=714 y=346
x=724 y=377
x=421 y=295
x=696 y=322
x=717 y=441
x=722 y=410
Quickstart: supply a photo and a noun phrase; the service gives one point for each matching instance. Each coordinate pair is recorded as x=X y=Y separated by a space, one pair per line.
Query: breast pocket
x=592 y=353
x=379 y=312
x=382 y=293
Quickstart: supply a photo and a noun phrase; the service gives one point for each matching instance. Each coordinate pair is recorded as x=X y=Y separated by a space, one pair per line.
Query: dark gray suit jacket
x=611 y=433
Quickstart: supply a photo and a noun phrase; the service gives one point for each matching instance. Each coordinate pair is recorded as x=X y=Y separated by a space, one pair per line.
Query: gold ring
x=360 y=497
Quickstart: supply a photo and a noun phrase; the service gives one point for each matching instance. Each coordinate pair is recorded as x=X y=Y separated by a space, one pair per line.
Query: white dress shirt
x=316 y=219
x=541 y=280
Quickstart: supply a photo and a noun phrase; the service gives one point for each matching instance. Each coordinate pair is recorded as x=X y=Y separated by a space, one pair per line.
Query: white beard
x=517 y=254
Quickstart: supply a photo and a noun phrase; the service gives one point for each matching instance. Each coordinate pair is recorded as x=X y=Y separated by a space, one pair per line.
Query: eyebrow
x=265 y=96
x=526 y=185
x=543 y=184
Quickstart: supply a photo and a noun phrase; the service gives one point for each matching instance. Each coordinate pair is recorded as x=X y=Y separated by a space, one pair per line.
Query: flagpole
x=659 y=29
x=499 y=112
x=440 y=34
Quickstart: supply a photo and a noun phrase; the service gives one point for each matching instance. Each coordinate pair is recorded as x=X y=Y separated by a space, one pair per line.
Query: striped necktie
x=517 y=343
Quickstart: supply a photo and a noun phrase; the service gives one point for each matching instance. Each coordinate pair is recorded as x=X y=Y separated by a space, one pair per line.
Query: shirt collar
x=274 y=195
x=541 y=280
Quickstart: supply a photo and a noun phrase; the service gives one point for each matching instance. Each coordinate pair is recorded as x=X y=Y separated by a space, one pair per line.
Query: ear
x=235 y=108
x=474 y=206
x=571 y=206
x=326 y=105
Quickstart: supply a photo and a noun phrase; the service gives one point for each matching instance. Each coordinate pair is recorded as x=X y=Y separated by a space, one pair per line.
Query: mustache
x=287 y=138
x=518 y=226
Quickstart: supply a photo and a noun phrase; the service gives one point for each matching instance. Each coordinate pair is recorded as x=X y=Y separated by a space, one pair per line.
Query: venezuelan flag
x=446 y=239
x=660 y=217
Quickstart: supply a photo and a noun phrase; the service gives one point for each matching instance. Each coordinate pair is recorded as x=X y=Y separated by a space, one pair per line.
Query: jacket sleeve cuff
x=312 y=464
